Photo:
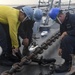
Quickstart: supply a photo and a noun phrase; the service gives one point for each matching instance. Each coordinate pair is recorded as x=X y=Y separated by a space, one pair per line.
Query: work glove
x=16 y=52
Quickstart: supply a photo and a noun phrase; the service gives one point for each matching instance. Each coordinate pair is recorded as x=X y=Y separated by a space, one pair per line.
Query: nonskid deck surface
x=51 y=52
x=35 y=69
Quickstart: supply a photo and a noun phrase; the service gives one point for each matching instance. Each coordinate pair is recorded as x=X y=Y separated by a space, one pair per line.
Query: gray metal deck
x=51 y=52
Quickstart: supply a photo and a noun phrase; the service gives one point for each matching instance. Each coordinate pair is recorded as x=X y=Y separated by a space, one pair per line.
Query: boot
x=65 y=67
x=13 y=58
x=4 y=61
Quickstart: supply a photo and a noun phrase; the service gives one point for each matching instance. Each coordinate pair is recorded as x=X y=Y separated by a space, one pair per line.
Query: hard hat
x=53 y=13
x=28 y=11
x=37 y=15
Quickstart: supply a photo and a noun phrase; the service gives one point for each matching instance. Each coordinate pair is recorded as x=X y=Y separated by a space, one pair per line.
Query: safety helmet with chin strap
x=53 y=13
x=28 y=11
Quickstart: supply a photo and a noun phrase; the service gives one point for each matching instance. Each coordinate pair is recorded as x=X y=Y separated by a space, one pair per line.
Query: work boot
x=4 y=61
x=13 y=58
x=66 y=67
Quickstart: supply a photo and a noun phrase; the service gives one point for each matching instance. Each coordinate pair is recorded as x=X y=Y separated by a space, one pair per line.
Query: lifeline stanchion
x=17 y=67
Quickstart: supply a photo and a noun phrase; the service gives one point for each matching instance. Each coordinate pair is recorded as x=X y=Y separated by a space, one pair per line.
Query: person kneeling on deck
x=26 y=29
x=67 y=30
x=10 y=19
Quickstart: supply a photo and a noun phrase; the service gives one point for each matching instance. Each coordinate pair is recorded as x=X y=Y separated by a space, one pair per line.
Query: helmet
x=53 y=13
x=37 y=15
x=28 y=11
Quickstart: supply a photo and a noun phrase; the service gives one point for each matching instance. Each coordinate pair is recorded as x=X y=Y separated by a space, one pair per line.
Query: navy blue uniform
x=68 y=42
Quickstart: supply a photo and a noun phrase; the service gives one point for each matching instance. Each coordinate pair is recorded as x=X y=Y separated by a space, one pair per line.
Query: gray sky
x=25 y=2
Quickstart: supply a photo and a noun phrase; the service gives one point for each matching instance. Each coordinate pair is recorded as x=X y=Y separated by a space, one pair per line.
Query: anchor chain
x=17 y=67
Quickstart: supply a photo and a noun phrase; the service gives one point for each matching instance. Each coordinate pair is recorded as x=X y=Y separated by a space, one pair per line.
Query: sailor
x=26 y=30
x=10 y=19
x=67 y=30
